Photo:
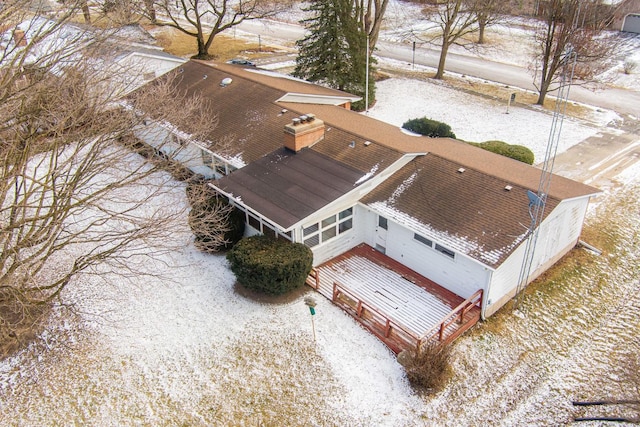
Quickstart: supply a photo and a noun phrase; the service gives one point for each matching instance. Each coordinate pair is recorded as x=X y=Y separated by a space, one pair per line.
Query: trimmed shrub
x=430 y=128
x=215 y=223
x=516 y=152
x=268 y=265
x=427 y=368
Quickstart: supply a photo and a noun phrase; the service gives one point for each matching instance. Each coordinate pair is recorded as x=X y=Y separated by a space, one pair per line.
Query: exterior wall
x=343 y=242
x=188 y=154
x=557 y=235
x=461 y=275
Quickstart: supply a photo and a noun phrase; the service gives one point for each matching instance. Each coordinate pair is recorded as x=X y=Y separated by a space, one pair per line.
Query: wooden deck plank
x=415 y=304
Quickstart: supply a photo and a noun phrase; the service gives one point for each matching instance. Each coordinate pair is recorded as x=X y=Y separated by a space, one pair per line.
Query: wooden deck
x=402 y=308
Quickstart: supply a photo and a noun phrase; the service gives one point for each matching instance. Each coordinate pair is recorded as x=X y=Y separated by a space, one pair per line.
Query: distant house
x=626 y=15
x=125 y=61
x=446 y=221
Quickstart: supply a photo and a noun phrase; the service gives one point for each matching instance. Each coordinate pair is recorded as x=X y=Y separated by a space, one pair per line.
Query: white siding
x=462 y=275
x=188 y=154
x=362 y=223
x=558 y=234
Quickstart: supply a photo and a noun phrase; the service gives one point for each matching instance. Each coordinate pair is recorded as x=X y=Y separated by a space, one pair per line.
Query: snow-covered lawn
x=477 y=119
x=181 y=347
x=192 y=351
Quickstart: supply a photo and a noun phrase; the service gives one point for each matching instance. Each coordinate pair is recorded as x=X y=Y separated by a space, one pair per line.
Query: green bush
x=517 y=152
x=268 y=265
x=430 y=128
x=215 y=223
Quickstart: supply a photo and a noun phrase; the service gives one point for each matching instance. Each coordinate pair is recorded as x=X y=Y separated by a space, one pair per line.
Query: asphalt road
x=622 y=101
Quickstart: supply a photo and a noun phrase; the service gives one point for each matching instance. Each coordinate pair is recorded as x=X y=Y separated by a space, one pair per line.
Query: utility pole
x=537 y=201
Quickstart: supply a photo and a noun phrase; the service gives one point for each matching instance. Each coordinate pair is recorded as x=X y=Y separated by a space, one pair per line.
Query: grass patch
x=495 y=91
x=223 y=48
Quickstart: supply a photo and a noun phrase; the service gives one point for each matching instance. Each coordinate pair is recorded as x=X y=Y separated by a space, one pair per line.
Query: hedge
x=430 y=128
x=215 y=224
x=268 y=265
x=517 y=152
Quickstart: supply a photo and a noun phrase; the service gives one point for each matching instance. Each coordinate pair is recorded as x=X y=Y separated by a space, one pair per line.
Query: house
x=401 y=226
x=626 y=15
x=125 y=61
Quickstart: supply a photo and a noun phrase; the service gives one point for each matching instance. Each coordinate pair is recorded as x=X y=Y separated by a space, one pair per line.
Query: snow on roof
x=461 y=244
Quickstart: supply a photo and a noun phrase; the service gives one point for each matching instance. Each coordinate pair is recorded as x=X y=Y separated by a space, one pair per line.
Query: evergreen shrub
x=268 y=265
x=516 y=152
x=429 y=127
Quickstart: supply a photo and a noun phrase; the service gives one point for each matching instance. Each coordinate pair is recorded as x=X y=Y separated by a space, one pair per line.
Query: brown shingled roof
x=500 y=167
x=251 y=120
x=468 y=211
x=287 y=187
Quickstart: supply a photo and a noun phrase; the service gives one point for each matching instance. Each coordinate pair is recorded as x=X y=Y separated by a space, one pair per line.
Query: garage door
x=632 y=23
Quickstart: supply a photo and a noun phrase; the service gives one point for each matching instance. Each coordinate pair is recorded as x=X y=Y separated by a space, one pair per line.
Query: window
x=312 y=241
x=445 y=251
x=345 y=225
x=423 y=239
x=382 y=222
x=254 y=222
x=207 y=158
x=328 y=228
x=311 y=229
x=345 y=213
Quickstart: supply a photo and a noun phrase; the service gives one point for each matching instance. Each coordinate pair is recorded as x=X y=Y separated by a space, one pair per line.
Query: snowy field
x=477 y=119
x=182 y=347
x=192 y=351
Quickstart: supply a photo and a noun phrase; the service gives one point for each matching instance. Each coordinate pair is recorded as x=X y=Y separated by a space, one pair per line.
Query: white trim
x=304 y=98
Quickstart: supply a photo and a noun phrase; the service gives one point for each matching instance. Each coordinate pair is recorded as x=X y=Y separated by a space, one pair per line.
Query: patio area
x=402 y=308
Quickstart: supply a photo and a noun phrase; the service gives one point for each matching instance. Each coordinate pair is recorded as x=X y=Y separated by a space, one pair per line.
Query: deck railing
x=439 y=332
x=388 y=325
x=313 y=279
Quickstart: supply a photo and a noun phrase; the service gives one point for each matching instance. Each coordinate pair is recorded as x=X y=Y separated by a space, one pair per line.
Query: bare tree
x=455 y=20
x=570 y=26
x=488 y=12
x=73 y=196
x=205 y=19
x=369 y=15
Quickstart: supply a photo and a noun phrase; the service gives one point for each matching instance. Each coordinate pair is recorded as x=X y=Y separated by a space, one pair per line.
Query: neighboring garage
x=632 y=23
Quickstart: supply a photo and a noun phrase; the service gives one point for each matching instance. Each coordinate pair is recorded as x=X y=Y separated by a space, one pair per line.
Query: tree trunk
x=481 y=27
x=544 y=88
x=85 y=12
x=151 y=10
x=441 y=62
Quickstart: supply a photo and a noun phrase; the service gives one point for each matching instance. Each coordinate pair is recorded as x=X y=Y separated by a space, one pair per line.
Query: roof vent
x=367 y=143
x=204 y=77
x=296 y=121
x=226 y=81
x=353 y=144
x=508 y=188
x=284 y=111
x=461 y=170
